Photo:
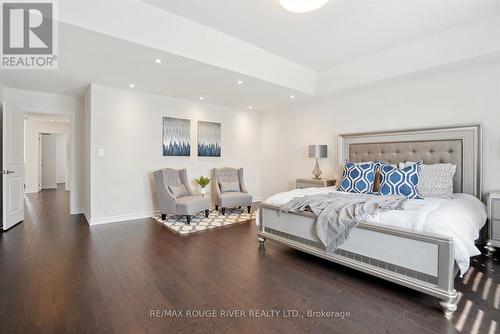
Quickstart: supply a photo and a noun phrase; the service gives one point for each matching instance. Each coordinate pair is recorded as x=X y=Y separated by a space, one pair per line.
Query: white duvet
x=460 y=218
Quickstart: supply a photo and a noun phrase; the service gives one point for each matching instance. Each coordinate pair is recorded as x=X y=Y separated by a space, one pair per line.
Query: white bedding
x=460 y=218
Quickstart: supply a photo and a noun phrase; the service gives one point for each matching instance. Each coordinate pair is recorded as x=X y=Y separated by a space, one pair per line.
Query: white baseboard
x=77 y=211
x=87 y=218
x=121 y=218
x=130 y=216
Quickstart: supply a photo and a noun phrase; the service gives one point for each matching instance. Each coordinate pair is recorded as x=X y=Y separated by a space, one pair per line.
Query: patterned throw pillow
x=400 y=181
x=358 y=177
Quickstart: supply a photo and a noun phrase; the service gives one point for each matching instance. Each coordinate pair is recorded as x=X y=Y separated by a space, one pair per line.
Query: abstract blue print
x=400 y=181
x=176 y=137
x=209 y=139
x=358 y=177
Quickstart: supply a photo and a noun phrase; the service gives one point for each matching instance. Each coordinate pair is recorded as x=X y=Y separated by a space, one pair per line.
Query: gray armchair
x=175 y=196
x=230 y=189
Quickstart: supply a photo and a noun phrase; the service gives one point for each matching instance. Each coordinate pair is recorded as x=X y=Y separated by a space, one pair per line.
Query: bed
x=429 y=255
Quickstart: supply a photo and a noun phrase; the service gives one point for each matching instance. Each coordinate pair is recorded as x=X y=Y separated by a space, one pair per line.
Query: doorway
x=22 y=168
x=53 y=156
x=47 y=152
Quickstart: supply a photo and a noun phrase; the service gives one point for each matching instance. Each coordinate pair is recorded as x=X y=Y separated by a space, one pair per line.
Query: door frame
x=72 y=177
x=67 y=146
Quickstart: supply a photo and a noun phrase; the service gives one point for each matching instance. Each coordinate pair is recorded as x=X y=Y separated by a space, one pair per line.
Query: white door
x=61 y=158
x=49 y=161
x=12 y=167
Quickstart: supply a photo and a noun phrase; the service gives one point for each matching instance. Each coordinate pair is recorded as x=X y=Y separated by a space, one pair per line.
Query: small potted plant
x=202 y=182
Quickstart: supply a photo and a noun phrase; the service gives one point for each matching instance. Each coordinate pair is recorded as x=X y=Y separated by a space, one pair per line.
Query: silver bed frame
x=421 y=261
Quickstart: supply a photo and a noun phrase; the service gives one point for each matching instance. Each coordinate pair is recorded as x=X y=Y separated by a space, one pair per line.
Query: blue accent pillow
x=358 y=177
x=403 y=181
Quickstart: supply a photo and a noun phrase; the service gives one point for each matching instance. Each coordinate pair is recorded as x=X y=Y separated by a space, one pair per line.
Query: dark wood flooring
x=58 y=275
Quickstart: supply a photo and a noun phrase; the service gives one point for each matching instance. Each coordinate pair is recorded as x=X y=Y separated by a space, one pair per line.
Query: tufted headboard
x=458 y=145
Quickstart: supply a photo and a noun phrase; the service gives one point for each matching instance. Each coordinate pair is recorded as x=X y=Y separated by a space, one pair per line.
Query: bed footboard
x=422 y=262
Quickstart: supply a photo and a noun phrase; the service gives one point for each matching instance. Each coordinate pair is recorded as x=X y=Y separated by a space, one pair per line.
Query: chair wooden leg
x=188 y=219
x=249 y=208
x=207 y=212
x=223 y=210
x=216 y=207
x=163 y=216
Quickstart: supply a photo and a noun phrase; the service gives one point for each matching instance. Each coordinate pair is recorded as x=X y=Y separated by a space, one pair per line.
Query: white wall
x=128 y=126
x=37 y=102
x=32 y=129
x=469 y=95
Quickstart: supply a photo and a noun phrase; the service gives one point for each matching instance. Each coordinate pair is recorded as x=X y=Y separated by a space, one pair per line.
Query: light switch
x=101 y=152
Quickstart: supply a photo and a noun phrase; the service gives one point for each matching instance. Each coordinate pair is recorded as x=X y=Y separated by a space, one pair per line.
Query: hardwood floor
x=58 y=275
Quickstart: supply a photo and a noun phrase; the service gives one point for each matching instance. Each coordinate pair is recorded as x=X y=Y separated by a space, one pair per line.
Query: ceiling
x=206 y=47
x=119 y=63
x=340 y=31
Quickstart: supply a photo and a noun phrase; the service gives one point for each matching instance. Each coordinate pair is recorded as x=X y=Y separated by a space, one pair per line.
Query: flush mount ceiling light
x=302 y=6
x=158 y=60
x=202 y=98
x=131 y=85
x=240 y=82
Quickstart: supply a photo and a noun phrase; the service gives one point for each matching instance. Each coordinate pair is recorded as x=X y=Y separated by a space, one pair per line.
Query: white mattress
x=460 y=218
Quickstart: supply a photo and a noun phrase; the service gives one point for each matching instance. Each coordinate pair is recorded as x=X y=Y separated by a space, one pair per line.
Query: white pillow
x=435 y=180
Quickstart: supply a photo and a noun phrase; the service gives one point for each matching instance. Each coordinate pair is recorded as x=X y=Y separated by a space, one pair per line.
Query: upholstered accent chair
x=175 y=196
x=230 y=189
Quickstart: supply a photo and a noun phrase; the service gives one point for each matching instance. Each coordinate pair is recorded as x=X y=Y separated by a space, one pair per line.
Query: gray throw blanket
x=338 y=213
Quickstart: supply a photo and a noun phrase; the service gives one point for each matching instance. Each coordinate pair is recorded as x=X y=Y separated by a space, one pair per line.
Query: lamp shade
x=318 y=151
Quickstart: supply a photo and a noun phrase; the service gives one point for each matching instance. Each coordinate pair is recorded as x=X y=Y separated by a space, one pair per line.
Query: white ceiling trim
x=144 y=24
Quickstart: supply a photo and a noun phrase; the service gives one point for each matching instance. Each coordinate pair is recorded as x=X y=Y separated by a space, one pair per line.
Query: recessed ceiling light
x=158 y=60
x=131 y=85
x=202 y=98
x=302 y=6
x=240 y=82
x=250 y=107
x=52 y=120
x=292 y=96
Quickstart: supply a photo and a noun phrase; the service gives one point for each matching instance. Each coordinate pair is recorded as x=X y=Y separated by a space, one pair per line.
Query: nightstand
x=310 y=183
x=493 y=220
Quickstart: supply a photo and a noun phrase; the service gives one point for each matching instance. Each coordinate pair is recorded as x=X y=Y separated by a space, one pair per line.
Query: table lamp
x=318 y=151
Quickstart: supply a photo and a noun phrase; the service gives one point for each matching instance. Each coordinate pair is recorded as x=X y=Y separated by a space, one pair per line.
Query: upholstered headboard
x=458 y=145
